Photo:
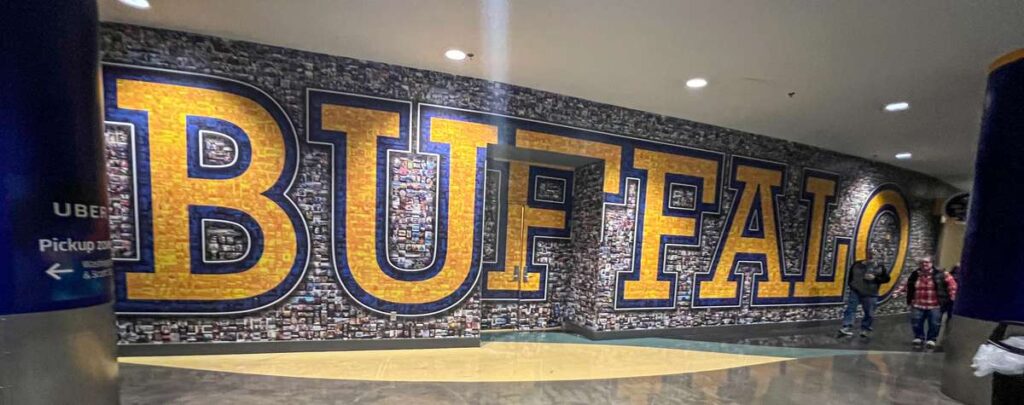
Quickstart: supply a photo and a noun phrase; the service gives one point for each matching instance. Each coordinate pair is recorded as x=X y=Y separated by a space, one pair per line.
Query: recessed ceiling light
x=696 y=83
x=455 y=54
x=897 y=106
x=904 y=155
x=139 y=4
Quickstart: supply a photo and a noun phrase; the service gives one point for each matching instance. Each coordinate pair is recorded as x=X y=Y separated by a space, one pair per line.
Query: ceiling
x=844 y=59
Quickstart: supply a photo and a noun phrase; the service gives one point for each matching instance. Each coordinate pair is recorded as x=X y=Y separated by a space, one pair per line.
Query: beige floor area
x=492 y=362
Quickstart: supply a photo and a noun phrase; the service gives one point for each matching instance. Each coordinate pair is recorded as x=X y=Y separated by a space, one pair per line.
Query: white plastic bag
x=991 y=358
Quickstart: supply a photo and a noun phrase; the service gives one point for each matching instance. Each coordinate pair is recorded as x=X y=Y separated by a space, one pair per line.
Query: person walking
x=864 y=278
x=947 y=309
x=928 y=290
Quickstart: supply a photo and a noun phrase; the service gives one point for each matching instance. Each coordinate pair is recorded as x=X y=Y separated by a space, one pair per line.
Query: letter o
x=887 y=198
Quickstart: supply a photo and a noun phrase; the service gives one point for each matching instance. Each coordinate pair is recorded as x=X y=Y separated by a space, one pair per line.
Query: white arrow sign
x=55 y=271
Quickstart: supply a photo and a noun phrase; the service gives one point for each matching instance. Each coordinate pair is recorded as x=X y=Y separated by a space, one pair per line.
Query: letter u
x=67 y=209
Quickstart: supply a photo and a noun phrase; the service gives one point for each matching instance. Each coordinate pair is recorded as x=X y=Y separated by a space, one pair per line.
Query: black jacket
x=855 y=277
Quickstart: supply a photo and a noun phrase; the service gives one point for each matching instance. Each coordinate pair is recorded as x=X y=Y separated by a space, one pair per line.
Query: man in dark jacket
x=928 y=290
x=864 y=279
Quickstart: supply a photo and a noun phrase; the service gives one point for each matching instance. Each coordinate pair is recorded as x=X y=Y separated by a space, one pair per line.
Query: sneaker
x=865 y=333
x=929 y=344
x=845 y=331
x=917 y=342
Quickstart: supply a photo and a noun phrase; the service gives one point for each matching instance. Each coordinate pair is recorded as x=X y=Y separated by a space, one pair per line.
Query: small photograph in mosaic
x=218 y=150
x=120 y=140
x=884 y=239
x=224 y=241
x=412 y=213
x=549 y=189
x=616 y=250
x=492 y=210
x=682 y=196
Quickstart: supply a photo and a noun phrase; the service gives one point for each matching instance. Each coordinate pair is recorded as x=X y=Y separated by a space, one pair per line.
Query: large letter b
x=214 y=159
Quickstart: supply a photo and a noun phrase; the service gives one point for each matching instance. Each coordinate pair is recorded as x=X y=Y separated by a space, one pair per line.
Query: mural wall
x=261 y=193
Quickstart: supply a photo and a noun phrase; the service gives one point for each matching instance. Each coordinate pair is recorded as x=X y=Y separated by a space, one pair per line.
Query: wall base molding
x=721 y=332
x=186 y=349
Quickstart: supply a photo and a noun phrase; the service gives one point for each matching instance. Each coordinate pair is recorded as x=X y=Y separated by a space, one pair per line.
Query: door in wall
x=527 y=245
x=525 y=303
x=502 y=314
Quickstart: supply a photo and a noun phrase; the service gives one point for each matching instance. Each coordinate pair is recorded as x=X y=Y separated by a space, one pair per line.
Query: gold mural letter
x=174 y=191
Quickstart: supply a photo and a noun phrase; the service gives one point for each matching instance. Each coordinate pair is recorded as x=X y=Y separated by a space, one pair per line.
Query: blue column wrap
x=993 y=257
x=51 y=159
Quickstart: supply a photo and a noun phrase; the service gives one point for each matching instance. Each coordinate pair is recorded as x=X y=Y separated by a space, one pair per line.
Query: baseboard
x=499 y=331
x=184 y=349
x=719 y=332
x=696 y=333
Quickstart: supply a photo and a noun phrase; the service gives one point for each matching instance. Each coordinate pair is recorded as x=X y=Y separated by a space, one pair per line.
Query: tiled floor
x=582 y=372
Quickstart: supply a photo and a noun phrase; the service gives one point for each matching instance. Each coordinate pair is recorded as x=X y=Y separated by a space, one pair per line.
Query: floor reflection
x=891 y=333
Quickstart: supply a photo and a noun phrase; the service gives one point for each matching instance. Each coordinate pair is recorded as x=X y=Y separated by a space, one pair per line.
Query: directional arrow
x=55 y=271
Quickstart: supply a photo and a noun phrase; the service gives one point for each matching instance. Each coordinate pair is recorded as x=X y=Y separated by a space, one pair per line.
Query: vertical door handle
x=515 y=273
x=524 y=240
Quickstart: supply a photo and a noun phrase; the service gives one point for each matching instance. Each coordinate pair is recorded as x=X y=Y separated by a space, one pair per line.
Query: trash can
x=1003 y=356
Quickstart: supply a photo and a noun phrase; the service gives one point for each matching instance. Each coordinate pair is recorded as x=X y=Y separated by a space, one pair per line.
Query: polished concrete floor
x=892 y=333
x=535 y=368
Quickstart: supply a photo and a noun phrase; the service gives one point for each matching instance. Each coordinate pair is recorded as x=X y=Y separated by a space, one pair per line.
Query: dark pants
x=864 y=301
x=918 y=317
x=947 y=311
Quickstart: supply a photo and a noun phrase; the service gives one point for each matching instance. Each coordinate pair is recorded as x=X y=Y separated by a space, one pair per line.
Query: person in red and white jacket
x=928 y=290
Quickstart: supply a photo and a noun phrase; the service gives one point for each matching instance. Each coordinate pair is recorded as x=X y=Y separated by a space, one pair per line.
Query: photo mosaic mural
x=261 y=193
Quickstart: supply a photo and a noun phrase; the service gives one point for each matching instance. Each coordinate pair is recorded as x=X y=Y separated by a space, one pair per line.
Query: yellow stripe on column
x=1006 y=60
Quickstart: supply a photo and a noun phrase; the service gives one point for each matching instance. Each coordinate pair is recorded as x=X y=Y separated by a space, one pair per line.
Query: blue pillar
x=992 y=285
x=57 y=340
x=993 y=256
